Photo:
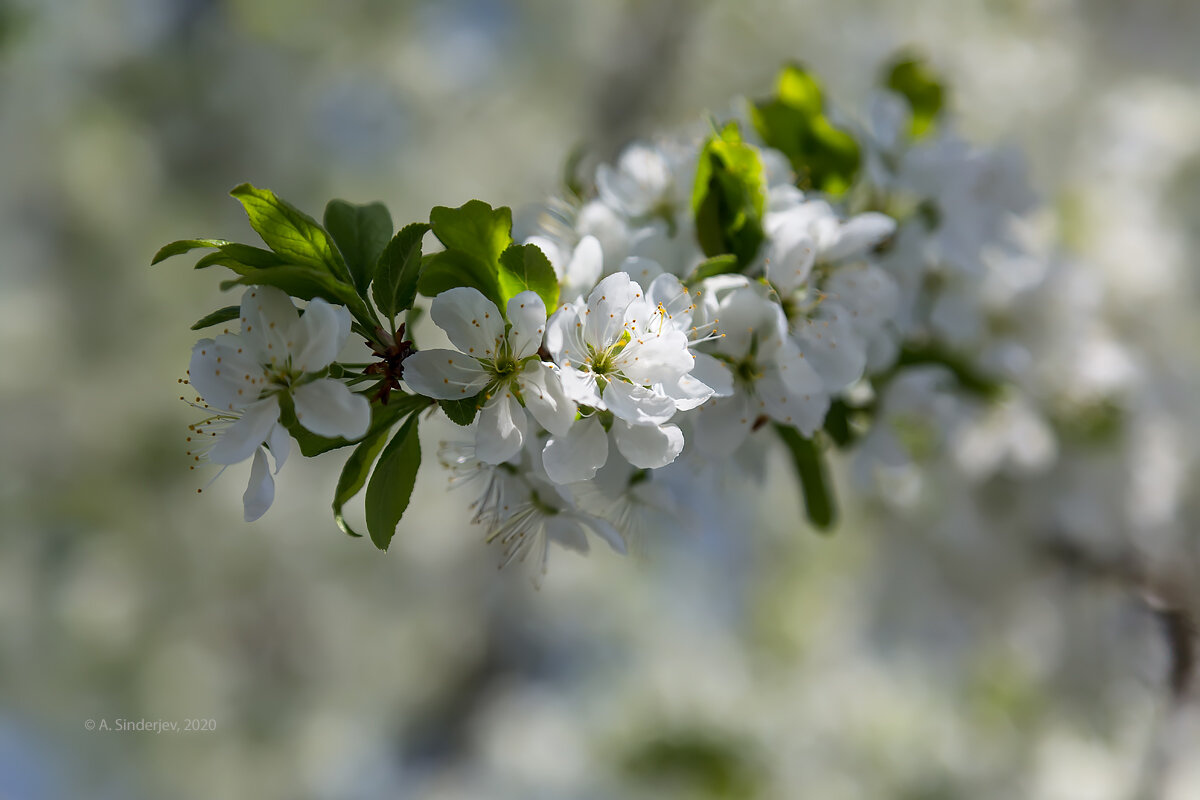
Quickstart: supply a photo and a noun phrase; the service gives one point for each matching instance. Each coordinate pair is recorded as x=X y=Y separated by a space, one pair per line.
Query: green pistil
x=541 y=506
x=747 y=370
x=505 y=368
x=601 y=361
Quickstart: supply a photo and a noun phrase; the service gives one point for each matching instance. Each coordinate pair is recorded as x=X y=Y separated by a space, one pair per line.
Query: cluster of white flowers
x=903 y=314
x=646 y=362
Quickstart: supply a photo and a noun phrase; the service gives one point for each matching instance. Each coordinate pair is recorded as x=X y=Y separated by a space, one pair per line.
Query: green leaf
x=301 y=282
x=524 y=267
x=799 y=89
x=354 y=476
x=810 y=467
x=395 y=286
x=232 y=254
x=474 y=235
x=450 y=269
x=717 y=265
x=391 y=486
x=462 y=412
x=290 y=232
x=361 y=233
x=728 y=197
x=183 y=246
x=825 y=157
x=913 y=79
x=217 y=317
x=382 y=419
x=474 y=228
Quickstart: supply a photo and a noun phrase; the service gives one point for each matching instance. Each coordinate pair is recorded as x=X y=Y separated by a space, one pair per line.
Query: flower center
x=747 y=370
x=504 y=368
x=603 y=361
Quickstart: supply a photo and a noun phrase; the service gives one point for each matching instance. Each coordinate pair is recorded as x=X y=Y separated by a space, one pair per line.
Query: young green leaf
x=232 y=254
x=474 y=236
x=217 y=317
x=717 y=265
x=304 y=283
x=825 y=157
x=354 y=476
x=462 y=412
x=728 y=197
x=523 y=268
x=475 y=228
x=391 y=485
x=913 y=79
x=360 y=233
x=290 y=232
x=399 y=267
x=183 y=246
x=814 y=477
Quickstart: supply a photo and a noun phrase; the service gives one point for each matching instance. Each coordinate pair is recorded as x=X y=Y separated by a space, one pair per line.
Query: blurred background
x=728 y=660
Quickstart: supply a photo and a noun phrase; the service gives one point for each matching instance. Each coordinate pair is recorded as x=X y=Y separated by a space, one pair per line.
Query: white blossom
x=279 y=353
x=501 y=361
x=772 y=378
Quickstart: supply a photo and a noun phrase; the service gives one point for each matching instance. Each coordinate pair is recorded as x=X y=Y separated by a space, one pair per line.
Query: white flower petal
x=654 y=358
x=665 y=290
x=260 y=492
x=580 y=387
x=585 y=268
x=713 y=373
x=577 y=455
x=606 y=531
x=500 y=430
x=793 y=369
x=722 y=425
x=564 y=335
x=859 y=234
x=267 y=320
x=280 y=444
x=648 y=446
x=639 y=182
x=545 y=398
x=708 y=378
x=567 y=532
x=470 y=320
x=527 y=313
x=641 y=269
x=790 y=260
x=609 y=228
x=744 y=316
x=239 y=441
x=328 y=408
x=226 y=379
x=868 y=293
x=832 y=347
x=444 y=374
x=687 y=392
x=605 y=318
x=637 y=404
x=806 y=411
x=319 y=335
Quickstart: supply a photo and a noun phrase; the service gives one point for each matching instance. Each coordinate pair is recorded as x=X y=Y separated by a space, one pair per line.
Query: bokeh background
x=738 y=655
